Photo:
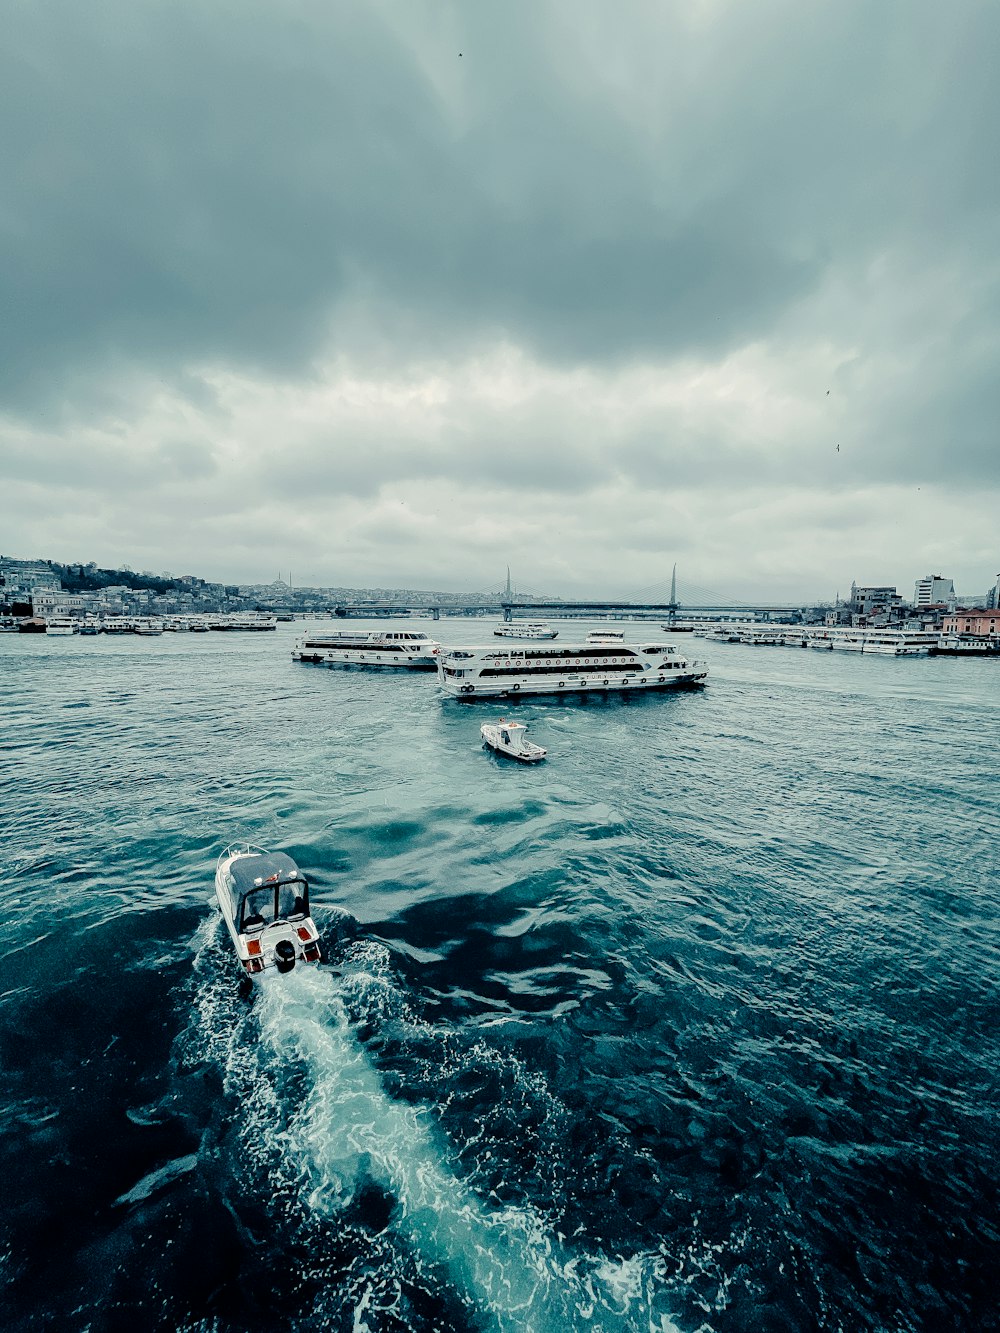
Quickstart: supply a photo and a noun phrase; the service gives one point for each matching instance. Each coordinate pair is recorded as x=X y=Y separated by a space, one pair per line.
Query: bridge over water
x=567 y=610
x=655 y=601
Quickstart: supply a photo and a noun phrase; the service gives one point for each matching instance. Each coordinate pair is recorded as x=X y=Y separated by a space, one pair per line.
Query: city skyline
x=928 y=589
x=441 y=289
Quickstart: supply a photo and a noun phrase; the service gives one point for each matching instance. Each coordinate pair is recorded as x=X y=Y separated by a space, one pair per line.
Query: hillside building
x=932 y=590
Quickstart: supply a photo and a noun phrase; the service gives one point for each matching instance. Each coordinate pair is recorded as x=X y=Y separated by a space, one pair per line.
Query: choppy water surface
x=694 y=1026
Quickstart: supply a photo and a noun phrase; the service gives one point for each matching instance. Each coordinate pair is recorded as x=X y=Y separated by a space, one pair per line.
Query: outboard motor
x=284 y=955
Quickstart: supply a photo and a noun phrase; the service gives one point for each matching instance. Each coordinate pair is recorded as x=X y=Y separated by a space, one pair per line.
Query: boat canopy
x=267 y=888
x=251 y=872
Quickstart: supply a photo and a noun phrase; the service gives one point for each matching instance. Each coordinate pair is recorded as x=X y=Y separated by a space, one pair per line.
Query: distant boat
x=965 y=645
x=525 y=629
x=509 y=738
x=60 y=625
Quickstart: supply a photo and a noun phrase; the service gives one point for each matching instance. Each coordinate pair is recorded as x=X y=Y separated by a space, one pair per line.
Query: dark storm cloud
x=700 y=277
x=189 y=182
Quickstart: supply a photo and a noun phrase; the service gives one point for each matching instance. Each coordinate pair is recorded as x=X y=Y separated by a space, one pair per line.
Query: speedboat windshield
x=269 y=887
x=275 y=902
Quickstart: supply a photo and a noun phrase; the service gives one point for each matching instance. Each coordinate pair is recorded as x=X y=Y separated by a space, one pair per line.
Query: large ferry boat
x=491 y=672
x=370 y=648
x=60 y=625
x=882 y=642
x=899 y=642
x=525 y=629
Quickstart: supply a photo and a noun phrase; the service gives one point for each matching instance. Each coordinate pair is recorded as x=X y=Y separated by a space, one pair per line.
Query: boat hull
x=348 y=657
x=525 y=686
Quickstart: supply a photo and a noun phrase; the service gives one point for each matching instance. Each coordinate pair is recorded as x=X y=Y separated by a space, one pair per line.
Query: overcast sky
x=399 y=294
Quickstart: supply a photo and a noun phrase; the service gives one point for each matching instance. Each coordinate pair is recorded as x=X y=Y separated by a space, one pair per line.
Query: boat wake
x=367 y=1191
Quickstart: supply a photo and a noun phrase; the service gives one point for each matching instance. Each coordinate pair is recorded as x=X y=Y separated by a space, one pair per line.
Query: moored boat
x=510 y=739
x=965 y=645
x=60 y=625
x=264 y=900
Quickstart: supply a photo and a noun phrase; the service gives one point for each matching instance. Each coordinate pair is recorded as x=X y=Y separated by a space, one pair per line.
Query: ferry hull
x=465 y=691
x=349 y=658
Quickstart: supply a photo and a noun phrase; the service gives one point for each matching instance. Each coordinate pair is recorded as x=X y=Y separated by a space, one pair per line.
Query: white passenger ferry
x=491 y=672
x=370 y=648
x=525 y=629
x=60 y=625
x=878 y=642
x=899 y=642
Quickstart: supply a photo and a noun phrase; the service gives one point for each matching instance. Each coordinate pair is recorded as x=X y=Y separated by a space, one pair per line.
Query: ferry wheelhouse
x=264 y=900
x=370 y=648
x=492 y=672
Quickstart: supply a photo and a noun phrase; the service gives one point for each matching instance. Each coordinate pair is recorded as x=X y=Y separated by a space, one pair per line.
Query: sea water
x=693 y=1026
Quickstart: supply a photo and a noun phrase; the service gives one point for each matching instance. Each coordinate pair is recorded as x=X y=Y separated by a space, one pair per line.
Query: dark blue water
x=694 y=1026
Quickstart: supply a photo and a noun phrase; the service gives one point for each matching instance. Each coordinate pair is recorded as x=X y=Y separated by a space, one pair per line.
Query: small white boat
x=264 y=900
x=509 y=738
x=606 y=636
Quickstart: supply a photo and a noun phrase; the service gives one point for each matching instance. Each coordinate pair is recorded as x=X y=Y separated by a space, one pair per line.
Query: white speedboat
x=370 y=648
x=525 y=629
x=264 y=900
x=485 y=672
x=510 y=738
x=606 y=636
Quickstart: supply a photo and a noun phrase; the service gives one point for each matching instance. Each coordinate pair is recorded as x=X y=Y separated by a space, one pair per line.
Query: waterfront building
x=976 y=620
x=47 y=602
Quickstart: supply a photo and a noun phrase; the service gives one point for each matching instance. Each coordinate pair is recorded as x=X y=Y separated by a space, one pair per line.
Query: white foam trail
x=504 y=1261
